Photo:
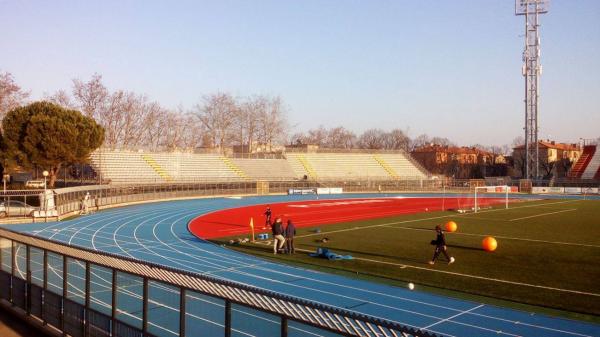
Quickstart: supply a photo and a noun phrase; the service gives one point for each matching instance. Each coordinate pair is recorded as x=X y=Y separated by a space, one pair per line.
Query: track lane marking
x=404 y=265
x=454 y=316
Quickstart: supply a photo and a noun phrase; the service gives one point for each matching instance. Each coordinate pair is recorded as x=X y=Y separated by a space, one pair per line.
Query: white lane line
x=503 y=237
x=404 y=265
x=454 y=316
x=544 y=214
x=425 y=219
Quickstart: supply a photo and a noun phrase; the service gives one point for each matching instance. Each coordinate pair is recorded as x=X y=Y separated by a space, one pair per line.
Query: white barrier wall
x=565 y=190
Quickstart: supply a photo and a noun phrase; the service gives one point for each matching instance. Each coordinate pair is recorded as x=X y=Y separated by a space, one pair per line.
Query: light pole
x=45 y=174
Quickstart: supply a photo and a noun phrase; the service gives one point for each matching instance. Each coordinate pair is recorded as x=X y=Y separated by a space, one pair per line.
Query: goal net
x=488 y=196
x=481 y=197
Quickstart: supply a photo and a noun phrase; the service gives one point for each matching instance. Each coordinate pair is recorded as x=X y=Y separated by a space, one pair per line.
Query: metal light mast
x=531 y=70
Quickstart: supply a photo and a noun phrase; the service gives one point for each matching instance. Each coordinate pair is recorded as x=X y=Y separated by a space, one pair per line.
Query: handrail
x=319 y=315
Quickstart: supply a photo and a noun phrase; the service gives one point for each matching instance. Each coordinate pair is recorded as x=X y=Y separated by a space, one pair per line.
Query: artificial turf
x=548 y=252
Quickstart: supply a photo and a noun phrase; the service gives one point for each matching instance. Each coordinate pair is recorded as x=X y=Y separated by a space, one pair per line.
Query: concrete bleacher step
x=386 y=167
x=157 y=168
x=233 y=167
x=309 y=169
x=593 y=166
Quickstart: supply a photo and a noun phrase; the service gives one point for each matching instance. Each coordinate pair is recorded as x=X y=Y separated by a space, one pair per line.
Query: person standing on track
x=267 y=215
x=440 y=246
x=278 y=239
x=290 y=231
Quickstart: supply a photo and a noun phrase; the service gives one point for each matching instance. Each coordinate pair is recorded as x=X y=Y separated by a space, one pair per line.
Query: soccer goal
x=486 y=196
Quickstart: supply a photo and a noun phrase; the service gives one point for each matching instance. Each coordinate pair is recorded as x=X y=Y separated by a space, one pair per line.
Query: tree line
x=218 y=120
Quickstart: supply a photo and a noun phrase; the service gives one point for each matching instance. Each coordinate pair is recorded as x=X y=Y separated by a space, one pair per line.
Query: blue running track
x=157 y=232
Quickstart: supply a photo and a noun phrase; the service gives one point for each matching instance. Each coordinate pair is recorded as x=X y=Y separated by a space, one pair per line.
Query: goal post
x=481 y=191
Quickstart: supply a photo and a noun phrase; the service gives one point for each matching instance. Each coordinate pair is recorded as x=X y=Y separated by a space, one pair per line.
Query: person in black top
x=267 y=215
x=440 y=246
x=290 y=231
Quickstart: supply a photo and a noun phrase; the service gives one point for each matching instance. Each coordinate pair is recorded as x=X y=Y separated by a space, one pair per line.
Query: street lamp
x=45 y=174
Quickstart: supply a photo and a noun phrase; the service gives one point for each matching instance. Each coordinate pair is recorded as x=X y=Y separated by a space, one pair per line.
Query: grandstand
x=121 y=167
x=588 y=165
x=354 y=166
x=266 y=169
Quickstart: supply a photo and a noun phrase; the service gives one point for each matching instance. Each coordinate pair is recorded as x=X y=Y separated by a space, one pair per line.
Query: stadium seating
x=593 y=166
x=583 y=162
x=353 y=166
x=265 y=169
x=120 y=167
x=123 y=167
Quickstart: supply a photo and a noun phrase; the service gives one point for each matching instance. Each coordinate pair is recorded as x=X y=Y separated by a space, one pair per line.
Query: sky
x=447 y=68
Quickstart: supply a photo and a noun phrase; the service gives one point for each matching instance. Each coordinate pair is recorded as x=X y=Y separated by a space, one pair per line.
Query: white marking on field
x=425 y=219
x=503 y=237
x=401 y=265
x=544 y=214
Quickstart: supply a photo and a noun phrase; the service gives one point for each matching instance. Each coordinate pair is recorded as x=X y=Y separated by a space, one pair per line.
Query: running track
x=158 y=232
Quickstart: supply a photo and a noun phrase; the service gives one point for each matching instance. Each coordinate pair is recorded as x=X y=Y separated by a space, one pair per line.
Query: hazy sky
x=446 y=68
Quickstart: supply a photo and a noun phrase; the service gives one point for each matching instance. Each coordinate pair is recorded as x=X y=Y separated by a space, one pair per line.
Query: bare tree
x=91 y=95
x=442 y=141
x=192 y=132
x=154 y=131
x=420 y=141
x=217 y=115
x=396 y=140
x=272 y=122
x=372 y=139
x=11 y=95
x=299 y=138
x=247 y=119
x=318 y=137
x=340 y=138
x=62 y=98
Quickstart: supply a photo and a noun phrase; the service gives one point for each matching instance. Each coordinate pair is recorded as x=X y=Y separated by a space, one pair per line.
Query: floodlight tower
x=531 y=70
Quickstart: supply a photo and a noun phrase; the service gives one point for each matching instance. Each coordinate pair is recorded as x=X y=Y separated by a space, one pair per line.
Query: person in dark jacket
x=267 y=215
x=440 y=246
x=290 y=231
x=278 y=239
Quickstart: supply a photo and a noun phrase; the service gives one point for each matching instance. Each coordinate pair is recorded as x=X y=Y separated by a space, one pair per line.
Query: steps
x=587 y=165
x=233 y=167
x=157 y=168
x=386 y=167
x=311 y=172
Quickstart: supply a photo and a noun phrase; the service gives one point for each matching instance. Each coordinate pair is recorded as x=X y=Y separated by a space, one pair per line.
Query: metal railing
x=68 y=200
x=62 y=286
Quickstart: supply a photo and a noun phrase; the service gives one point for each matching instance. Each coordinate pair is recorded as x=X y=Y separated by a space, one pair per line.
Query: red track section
x=236 y=221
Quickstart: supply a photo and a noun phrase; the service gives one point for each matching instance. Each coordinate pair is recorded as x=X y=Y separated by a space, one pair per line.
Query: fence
x=81 y=292
x=19 y=203
x=69 y=200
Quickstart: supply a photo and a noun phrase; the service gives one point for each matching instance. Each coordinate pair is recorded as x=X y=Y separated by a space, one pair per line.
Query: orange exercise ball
x=489 y=244
x=451 y=226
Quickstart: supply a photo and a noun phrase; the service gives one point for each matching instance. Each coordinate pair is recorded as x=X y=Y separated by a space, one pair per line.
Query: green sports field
x=548 y=253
